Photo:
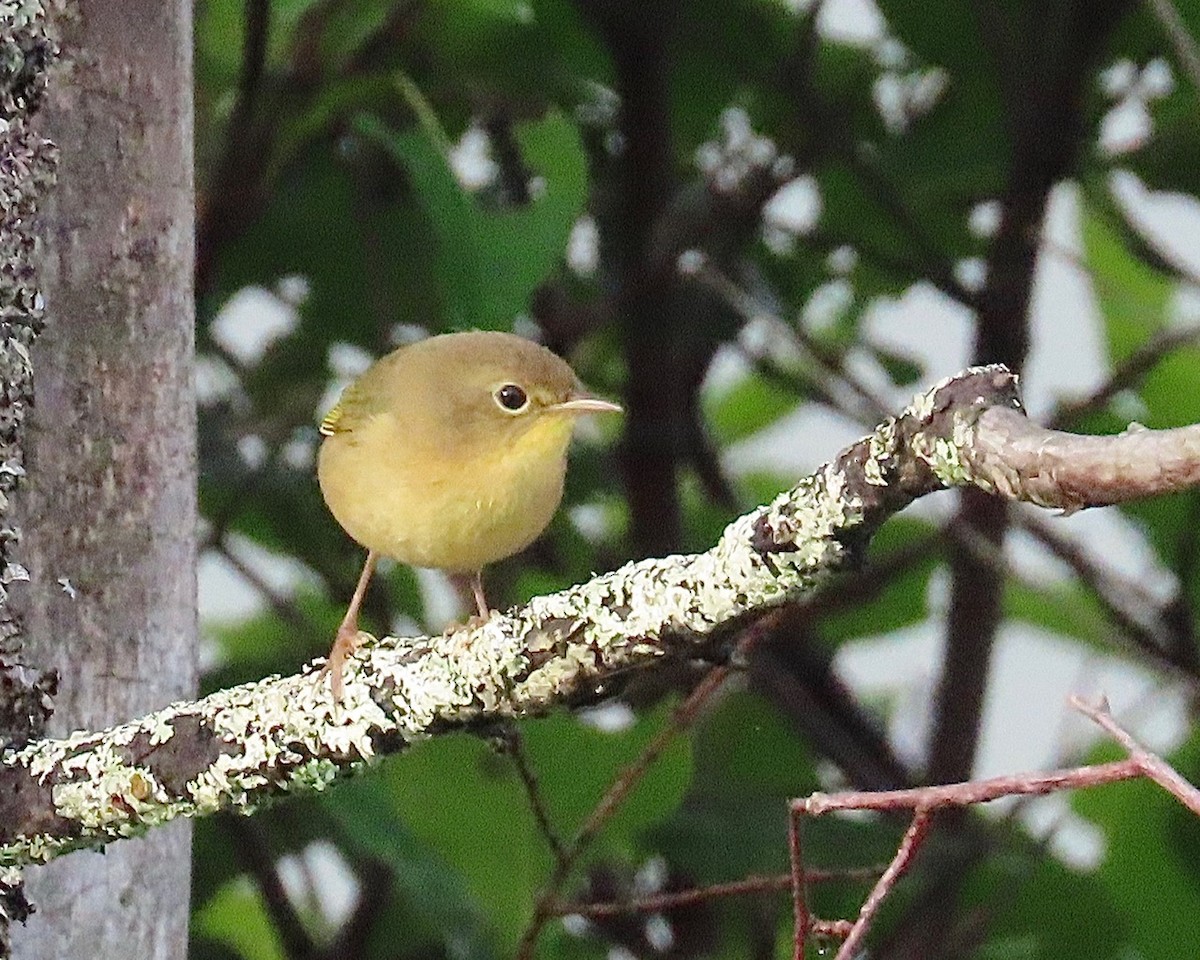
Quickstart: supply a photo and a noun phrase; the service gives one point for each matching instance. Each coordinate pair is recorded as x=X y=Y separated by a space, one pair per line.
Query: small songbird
x=449 y=453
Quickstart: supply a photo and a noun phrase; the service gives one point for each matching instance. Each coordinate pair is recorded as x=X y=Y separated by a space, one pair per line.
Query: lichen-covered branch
x=238 y=748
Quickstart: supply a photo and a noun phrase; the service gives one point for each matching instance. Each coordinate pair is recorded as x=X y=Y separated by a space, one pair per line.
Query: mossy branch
x=241 y=747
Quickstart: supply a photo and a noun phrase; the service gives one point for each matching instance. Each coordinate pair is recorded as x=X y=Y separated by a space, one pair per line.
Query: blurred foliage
x=330 y=144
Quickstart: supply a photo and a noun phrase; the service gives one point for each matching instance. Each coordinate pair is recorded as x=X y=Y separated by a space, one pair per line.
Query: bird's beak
x=585 y=403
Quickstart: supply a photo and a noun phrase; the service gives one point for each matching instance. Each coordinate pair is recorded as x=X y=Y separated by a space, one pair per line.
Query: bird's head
x=500 y=393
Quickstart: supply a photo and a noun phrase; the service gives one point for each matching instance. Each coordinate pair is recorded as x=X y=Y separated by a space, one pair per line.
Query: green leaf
x=747 y=406
x=715 y=68
x=489 y=262
x=940 y=173
x=946 y=34
x=459 y=796
x=1066 y=609
x=1152 y=880
x=1045 y=911
x=437 y=906
x=1132 y=295
x=734 y=821
x=576 y=763
x=310 y=214
x=236 y=917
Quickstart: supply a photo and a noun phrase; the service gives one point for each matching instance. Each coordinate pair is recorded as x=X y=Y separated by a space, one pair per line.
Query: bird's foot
x=347 y=641
x=473 y=622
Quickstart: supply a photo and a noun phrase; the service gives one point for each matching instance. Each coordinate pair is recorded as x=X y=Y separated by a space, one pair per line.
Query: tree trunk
x=109 y=512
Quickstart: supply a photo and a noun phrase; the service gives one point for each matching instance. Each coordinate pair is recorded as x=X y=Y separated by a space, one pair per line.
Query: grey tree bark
x=109 y=511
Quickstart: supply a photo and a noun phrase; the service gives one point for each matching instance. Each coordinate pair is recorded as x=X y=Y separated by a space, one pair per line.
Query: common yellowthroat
x=449 y=453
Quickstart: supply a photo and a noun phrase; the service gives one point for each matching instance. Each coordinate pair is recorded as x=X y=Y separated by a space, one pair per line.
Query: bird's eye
x=512 y=398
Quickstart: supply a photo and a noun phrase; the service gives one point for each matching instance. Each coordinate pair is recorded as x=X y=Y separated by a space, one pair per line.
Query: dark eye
x=512 y=398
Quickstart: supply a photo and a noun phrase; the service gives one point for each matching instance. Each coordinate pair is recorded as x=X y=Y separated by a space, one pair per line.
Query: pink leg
x=346 y=641
x=485 y=612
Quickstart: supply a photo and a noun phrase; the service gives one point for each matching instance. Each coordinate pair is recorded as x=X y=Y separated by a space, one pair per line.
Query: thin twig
x=660 y=902
x=924 y=801
x=683 y=717
x=514 y=746
x=1151 y=764
x=970 y=792
x=1183 y=42
x=1127 y=374
x=252 y=850
x=802 y=919
x=914 y=836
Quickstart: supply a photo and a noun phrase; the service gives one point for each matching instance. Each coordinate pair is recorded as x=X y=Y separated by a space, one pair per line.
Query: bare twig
x=914 y=836
x=683 y=717
x=1127 y=374
x=802 y=920
x=1152 y=765
x=255 y=855
x=1183 y=42
x=514 y=746
x=661 y=902
x=924 y=801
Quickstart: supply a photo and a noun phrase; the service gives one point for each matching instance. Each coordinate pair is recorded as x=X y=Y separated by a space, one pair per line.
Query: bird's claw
x=345 y=644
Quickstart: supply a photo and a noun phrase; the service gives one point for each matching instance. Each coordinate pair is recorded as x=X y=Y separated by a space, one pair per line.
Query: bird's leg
x=481 y=603
x=346 y=641
x=459 y=580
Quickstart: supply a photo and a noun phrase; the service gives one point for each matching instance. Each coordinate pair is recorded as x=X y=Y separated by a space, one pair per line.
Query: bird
x=448 y=453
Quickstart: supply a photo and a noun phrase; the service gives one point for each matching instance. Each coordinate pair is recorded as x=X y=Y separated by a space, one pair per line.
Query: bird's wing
x=330 y=422
x=347 y=412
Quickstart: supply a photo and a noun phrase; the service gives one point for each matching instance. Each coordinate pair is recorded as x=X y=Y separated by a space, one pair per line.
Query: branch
x=674 y=899
x=1150 y=627
x=1127 y=374
x=1184 y=43
x=1020 y=460
x=924 y=801
x=685 y=715
x=239 y=748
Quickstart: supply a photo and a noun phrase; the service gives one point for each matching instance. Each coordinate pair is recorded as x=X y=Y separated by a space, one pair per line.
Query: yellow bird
x=448 y=453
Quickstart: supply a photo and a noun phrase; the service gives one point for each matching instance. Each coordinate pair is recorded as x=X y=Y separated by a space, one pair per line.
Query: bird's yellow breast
x=444 y=505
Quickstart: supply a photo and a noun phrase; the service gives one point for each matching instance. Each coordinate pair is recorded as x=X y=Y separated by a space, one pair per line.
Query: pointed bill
x=586 y=403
